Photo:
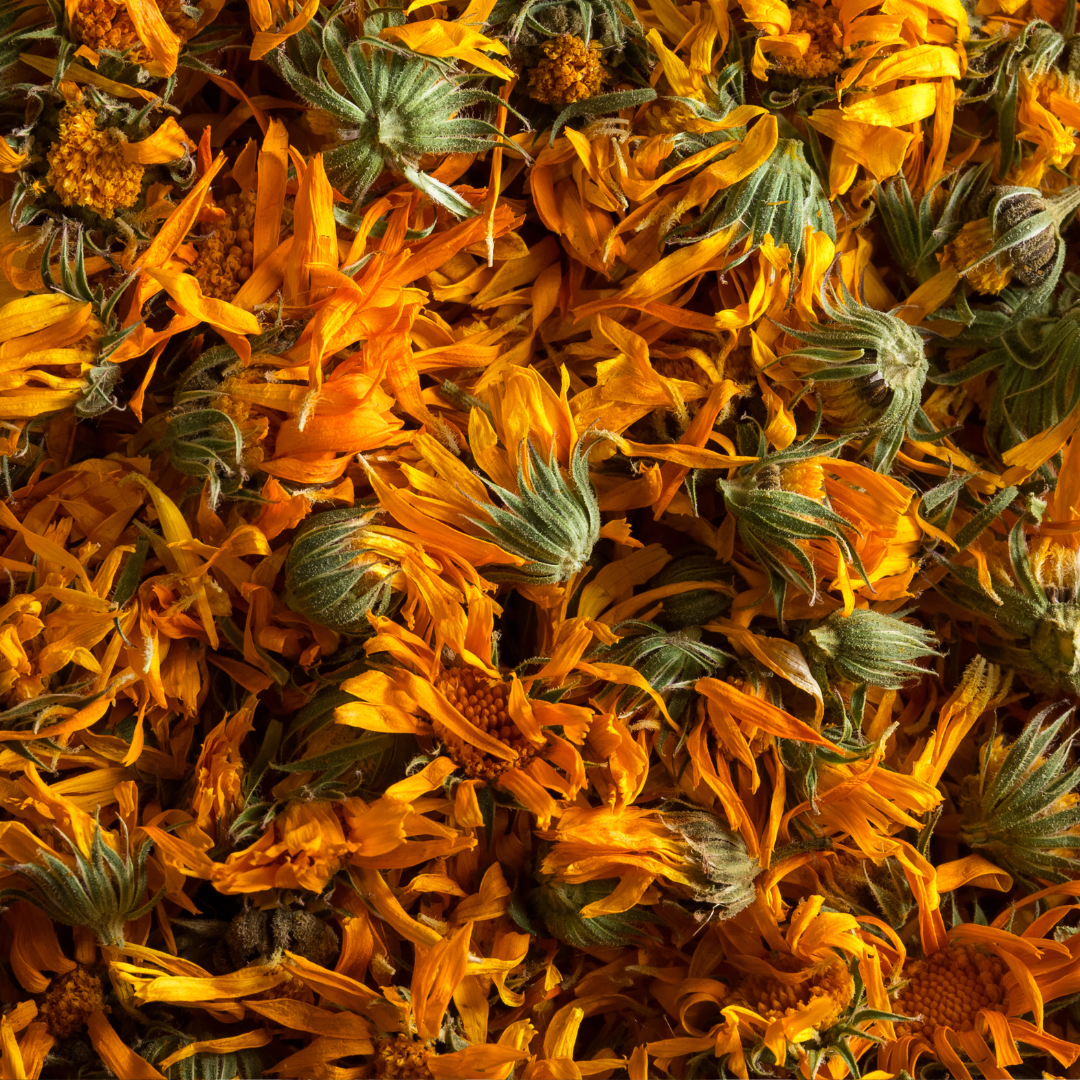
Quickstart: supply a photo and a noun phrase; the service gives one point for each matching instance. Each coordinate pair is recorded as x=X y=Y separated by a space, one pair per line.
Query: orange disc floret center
x=824 y=53
x=773 y=998
x=483 y=701
x=401 y=1058
x=69 y=1001
x=225 y=259
x=570 y=71
x=103 y=24
x=87 y=166
x=949 y=989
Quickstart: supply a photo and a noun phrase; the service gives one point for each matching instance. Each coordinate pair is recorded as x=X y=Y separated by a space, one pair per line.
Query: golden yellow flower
x=784 y=994
x=225 y=257
x=824 y=53
x=570 y=71
x=87 y=166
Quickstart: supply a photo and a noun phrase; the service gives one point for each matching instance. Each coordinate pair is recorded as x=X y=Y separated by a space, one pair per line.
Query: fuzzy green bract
x=391 y=109
x=552 y=521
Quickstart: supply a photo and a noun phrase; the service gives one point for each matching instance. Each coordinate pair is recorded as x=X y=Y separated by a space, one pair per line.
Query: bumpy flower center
x=949 y=989
x=824 y=54
x=69 y=1001
x=570 y=71
x=483 y=701
x=103 y=24
x=224 y=261
x=773 y=998
x=973 y=241
x=401 y=1058
x=87 y=165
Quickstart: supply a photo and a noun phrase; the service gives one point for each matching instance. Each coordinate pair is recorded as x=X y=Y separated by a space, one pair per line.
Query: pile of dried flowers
x=540 y=539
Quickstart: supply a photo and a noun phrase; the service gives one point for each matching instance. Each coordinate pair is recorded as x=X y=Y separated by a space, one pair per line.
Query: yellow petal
x=896 y=108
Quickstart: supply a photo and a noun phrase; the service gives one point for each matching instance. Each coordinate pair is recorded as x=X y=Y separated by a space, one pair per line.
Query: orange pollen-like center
x=824 y=53
x=773 y=998
x=570 y=71
x=104 y=24
x=87 y=165
x=401 y=1058
x=225 y=258
x=949 y=989
x=69 y=1001
x=804 y=478
x=483 y=702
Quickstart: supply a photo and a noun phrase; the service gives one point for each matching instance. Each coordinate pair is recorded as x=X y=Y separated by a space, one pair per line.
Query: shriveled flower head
x=1021 y=238
x=671 y=662
x=780 y=506
x=825 y=52
x=1021 y=810
x=569 y=72
x=552 y=521
x=331 y=577
x=87 y=164
x=102 y=892
x=1037 y=624
x=385 y=110
x=870 y=647
x=725 y=868
x=869 y=368
x=779 y=199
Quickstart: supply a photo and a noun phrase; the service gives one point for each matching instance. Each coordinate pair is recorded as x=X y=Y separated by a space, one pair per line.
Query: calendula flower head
x=825 y=52
x=569 y=72
x=87 y=166
x=869 y=368
x=686 y=610
x=484 y=701
x=870 y=647
x=106 y=26
x=1021 y=811
x=1039 y=627
x=552 y=521
x=866 y=886
x=70 y=1000
x=102 y=892
x=402 y=1057
x=332 y=578
x=671 y=662
x=780 y=506
x=556 y=907
x=828 y=985
x=722 y=868
x=949 y=989
x=1025 y=228
x=389 y=111
x=263 y=937
x=225 y=257
x=779 y=199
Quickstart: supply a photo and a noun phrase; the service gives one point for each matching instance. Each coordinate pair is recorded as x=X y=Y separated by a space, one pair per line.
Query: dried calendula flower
x=333 y=577
x=870 y=647
x=569 y=72
x=1021 y=810
x=869 y=368
x=102 y=892
x=87 y=164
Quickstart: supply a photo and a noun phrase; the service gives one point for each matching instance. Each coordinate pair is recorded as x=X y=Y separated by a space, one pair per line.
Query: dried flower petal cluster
x=540 y=539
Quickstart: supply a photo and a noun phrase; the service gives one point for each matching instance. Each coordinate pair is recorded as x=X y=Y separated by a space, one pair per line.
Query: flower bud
x=870 y=647
x=332 y=578
x=690 y=609
x=720 y=865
